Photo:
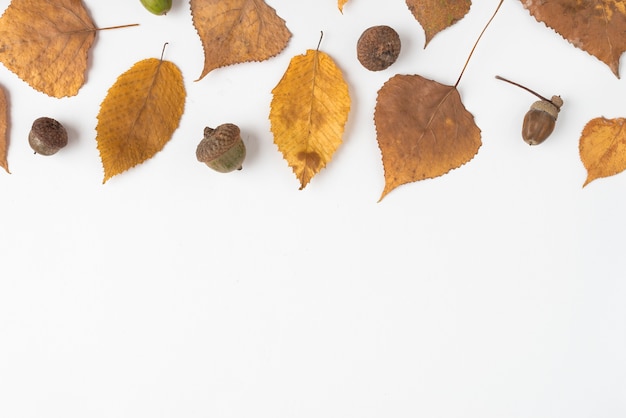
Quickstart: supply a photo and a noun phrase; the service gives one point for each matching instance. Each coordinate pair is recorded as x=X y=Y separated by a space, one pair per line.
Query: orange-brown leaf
x=309 y=110
x=602 y=148
x=341 y=4
x=4 y=139
x=437 y=15
x=423 y=130
x=139 y=114
x=46 y=44
x=596 y=26
x=236 y=31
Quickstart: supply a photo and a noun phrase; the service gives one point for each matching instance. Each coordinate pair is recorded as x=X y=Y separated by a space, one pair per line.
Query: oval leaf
x=602 y=148
x=423 y=130
x=4 y=121
x=236 y=31
x=437 y=15
x=594 y=26
x=46 y=44
x=139 y=114
x=309 y=110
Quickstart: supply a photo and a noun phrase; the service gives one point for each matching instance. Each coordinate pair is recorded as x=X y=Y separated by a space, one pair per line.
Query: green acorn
x=158 y=7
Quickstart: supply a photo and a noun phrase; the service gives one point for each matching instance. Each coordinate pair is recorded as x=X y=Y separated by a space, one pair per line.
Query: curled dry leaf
x=594 y=26
x=423 y=130
x=437 y=15
x=139 y=114
x=4 y=121
x=236 y=31
x=309 y=110
x=602 y=147
x=45 y=42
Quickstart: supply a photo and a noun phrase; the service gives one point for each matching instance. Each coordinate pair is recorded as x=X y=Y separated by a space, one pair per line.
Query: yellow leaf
x=46 y=44
x=4 y=120
x=341 y=4
x=236 y=31
x=139 y=114
x=309 y=110
x=602 y=148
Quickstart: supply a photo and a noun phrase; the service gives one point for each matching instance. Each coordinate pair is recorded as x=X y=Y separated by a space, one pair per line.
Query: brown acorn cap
x=217 y=141
x=47 y=136
x=378 y=47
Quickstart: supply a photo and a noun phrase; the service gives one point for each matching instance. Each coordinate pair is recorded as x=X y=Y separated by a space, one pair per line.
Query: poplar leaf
x=46 y=43
x=4 y=121
x=423 y=130
x=602 y=148
x=139 y=114
x=437 y=15
x=309 y=110
x=596 y=27
x=236 y=31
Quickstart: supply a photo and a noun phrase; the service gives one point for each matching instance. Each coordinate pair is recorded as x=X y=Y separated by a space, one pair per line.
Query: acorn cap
x=47 y=136
x=552 y=107
x=222 y=148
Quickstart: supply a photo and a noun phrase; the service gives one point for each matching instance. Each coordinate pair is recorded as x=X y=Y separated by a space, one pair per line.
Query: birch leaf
x=602 y=148
x=139 y=114
x=46 y=42
x=4 y=121
x=236 y=31
x=423 y=130
x=309 y=110
x=437 y=15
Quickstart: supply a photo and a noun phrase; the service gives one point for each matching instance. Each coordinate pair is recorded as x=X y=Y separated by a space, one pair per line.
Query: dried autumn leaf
x=4 y=120
x=437 y=15
x=236 y=31
x=602 y=147
x=423 y=130
x=45 y=43
x=595 y=26
x=139 y=114
x=341 y=4
x=309 y=110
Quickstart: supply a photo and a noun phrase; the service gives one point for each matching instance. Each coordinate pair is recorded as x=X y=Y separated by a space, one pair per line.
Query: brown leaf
x=308 y=113
x=595 y=26
x=4 y=121
x=139 y=114
x=423 y=130
x=236 y=31
x=437 y=15
x=602 y=148
x=46 y=43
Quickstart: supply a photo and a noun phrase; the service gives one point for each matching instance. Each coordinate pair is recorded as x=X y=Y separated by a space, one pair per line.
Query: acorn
x=378 y=47
x=47 y=136
x=540 y=120
x=157 y=7
x=222 y=148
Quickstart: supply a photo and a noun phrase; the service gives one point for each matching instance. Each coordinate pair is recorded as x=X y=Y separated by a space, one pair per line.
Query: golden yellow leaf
x=602 y=147
x=309 y=110
x=4 y=139
x=139 y=114
x=46 y=44
x=341 y=4
x=423 y=130
x=236 y=31
x=437 y=15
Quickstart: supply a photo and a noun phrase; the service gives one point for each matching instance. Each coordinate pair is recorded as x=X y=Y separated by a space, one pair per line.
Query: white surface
x=174 y=291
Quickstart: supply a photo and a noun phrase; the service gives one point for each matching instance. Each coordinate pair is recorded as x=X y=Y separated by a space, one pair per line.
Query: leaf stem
x=320 y=41
x=525 y=88
x=118 y=27
x=476 y=43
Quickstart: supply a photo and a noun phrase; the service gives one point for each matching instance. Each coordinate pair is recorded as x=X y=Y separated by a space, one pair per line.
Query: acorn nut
x=378 y=47
x=47 y=136
x=539 y=121
x=222 y=148
x=157 y=7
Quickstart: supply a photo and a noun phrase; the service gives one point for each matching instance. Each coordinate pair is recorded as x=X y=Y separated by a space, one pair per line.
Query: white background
x=494 y=291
